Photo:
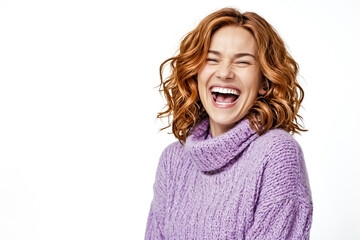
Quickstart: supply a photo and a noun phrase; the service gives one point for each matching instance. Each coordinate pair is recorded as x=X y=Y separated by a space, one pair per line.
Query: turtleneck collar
x=211 y=154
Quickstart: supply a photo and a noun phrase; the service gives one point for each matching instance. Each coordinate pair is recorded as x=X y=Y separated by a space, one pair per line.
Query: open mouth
x=224 y=95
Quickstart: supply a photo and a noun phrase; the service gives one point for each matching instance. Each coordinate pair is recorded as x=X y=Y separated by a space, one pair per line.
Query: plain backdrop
x=79 y=140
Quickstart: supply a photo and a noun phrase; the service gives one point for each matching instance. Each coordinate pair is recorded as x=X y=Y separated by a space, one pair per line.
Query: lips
x=224 y=96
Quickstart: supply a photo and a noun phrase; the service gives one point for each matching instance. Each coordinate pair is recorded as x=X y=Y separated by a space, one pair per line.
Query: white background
x=79 y=144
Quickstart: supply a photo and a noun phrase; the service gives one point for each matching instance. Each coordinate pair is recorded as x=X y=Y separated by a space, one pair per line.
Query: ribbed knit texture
x=235 y=186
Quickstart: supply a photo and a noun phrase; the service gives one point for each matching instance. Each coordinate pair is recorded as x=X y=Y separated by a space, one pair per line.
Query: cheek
x=200 y=83
x=202 y=92
x=252 y=81
x=202 y=80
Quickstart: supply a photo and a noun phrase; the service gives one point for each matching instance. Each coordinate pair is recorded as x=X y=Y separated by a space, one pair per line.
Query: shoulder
x=277 y=143
x=281 y=158
x=170 y=155
x=172 y=150
x=283 y=165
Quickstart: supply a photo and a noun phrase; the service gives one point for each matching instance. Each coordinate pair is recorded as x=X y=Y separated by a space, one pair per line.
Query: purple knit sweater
x=238 y=185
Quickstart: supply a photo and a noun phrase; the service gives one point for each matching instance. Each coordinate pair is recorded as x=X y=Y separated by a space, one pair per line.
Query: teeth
x=225 y=90
x=220 y=103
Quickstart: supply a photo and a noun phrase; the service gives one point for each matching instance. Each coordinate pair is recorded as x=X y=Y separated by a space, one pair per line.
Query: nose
x=224 y=71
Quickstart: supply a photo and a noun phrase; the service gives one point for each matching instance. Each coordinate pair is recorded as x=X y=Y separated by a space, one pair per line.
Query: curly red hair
x=278 y=108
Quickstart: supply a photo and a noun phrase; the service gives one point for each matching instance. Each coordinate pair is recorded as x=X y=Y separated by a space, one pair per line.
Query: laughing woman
x=236 y=172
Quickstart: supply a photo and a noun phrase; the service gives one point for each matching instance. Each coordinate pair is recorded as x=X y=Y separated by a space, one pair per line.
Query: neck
x=219 y=129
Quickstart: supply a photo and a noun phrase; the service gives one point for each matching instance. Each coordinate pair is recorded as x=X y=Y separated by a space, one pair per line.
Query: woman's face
x=230 y=79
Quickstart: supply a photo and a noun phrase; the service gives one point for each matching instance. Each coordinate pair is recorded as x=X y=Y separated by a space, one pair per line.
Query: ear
x=263 y=88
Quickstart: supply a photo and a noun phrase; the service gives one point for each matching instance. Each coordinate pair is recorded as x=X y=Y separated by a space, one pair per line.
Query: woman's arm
x=284 y=207
x=156 y=218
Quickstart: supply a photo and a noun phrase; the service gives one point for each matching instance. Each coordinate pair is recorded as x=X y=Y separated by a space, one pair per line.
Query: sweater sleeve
x=284 y=204
x=156 y=217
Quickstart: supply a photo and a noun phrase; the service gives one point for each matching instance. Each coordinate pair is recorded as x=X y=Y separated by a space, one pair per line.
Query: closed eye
x=211 y=60
x=242 y=62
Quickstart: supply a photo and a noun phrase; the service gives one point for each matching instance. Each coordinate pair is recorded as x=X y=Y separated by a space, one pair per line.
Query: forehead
x=233 y=40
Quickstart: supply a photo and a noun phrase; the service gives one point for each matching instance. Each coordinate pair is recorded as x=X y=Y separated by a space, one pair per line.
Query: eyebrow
x=236 y=55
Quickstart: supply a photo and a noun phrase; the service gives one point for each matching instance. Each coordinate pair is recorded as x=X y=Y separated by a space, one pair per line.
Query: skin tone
x=231 y=64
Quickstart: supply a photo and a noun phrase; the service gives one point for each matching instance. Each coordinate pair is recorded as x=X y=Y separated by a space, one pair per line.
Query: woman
x=236 y=172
